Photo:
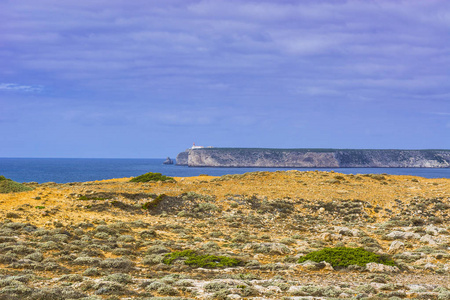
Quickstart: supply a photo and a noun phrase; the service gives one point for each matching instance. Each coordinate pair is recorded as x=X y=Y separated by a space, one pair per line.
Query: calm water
x=62 y=170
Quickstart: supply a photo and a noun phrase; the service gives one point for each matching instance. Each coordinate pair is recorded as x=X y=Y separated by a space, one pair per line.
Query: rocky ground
x=108 y=239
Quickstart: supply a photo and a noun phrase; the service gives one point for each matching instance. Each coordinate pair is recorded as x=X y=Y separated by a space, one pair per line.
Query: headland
x=314 y=158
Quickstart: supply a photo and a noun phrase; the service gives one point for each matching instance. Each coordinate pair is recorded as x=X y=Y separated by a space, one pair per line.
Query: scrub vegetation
x=260 y=235
x=193 y=259
x=341 y=257
x=9 y=186
x=152 y=177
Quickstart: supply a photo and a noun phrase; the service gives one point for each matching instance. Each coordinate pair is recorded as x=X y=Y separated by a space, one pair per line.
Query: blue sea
x=63 y=170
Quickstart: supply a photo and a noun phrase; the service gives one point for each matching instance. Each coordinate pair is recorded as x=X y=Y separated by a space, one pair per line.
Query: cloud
x=228 y=64
x=21 y=88
x=441 y=113
x=107 y=44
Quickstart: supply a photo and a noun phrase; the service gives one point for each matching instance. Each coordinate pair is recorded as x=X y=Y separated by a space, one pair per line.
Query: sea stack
x=168 y=161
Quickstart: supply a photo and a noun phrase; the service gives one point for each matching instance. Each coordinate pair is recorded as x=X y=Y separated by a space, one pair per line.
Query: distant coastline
x=313 y=158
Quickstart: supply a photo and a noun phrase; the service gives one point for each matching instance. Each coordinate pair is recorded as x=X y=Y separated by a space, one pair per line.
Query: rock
x=312 y=265
x=380 y=268
x=417 y=288
x=430 y=266
x=347 y=231
x=343 y=230
x=432 y=230
x=401 y=235
x=328 y=237
x=258 y=256
x=271 y=288
x=328 y=266
x=355 y=232
x=395 y=247
x=168 y=161
x=428 y=239
x=280 y=249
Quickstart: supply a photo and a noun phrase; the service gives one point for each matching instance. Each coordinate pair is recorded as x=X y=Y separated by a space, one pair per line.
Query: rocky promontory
x=314 y=158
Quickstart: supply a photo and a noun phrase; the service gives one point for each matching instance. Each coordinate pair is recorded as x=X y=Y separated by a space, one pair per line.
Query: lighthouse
x=196 y=147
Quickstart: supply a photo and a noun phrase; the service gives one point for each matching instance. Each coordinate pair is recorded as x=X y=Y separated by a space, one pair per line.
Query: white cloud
x=21 y=88
x=242 y=45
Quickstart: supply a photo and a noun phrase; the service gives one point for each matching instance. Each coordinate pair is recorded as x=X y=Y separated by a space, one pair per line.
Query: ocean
x=63 y=170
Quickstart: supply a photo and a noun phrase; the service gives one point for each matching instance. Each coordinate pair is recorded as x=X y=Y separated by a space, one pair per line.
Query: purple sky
x=115 y=78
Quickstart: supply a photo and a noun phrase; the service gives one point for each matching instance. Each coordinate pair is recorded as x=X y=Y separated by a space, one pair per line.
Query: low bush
x=154 y=203
x=152 y=259
x=119 y=277
x=201 y=260
x=90 y=197
x=341 y=257
x=117 y=263
x=9 y=186
x=152 y=177
x=92 y=272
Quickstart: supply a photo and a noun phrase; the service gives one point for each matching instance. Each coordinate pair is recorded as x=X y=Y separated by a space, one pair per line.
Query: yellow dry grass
x=314 y=186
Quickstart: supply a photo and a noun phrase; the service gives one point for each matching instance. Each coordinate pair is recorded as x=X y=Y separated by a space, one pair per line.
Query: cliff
x=182 y=158
x=314 y=158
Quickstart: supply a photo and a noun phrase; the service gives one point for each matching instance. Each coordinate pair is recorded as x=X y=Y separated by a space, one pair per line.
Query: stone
x=432 y=230
x=428 y=239
x=343 y=230
x=380 y=268
x=326 y=236
x=328 y=266
x=402 y=235
x=280 y=249
x=312 y=265
x=430 y=266
x=395 y=247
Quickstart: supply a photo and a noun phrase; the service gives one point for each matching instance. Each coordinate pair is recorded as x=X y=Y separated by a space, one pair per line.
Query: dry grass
x=265 y=219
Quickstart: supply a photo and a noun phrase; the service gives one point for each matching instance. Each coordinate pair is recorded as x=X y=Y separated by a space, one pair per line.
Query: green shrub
x=341 y=257
x=201 y=260
x=87 y=197
x=152 y=177
x=9 y=186
x=154 y=203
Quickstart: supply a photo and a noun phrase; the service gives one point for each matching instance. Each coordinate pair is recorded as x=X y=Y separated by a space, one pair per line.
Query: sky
x=146 y=78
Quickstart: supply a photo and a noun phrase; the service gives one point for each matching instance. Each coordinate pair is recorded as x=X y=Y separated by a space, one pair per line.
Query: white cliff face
x=182 y=158
x=303 y=158
x=260 y=158
x=393 y=158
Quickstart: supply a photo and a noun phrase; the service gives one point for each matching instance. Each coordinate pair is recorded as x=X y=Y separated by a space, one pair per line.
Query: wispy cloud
x=21 y=88
x=441 y=113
